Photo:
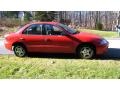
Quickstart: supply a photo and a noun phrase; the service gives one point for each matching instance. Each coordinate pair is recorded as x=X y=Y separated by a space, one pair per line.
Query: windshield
x=21 y=26
x=70 y=30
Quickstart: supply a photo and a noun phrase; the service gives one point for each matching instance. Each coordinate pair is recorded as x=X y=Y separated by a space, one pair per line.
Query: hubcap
x=86 y=52
x=20 y=51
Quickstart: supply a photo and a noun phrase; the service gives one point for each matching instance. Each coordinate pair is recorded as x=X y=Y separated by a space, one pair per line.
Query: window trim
x=29 y=27
x=57 y=27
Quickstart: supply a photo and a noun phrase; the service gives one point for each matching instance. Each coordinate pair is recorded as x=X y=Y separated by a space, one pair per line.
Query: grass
x=105 y=34
x=51 y=68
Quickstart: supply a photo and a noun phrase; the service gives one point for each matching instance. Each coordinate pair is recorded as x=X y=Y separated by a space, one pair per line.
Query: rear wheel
x=20 y=51
x=86 y=52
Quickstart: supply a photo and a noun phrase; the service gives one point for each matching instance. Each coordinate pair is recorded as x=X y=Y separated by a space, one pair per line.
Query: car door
x=57 y=41
x=33 y=39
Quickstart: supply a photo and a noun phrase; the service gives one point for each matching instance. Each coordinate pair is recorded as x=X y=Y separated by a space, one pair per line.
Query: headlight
x=103 y=41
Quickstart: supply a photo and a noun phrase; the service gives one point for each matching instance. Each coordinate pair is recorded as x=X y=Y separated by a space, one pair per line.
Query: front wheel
x=86 y=52
x=20 y=51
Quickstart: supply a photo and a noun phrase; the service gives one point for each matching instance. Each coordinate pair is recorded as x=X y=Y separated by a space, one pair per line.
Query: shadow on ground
x=53 y=56
x=112 y=54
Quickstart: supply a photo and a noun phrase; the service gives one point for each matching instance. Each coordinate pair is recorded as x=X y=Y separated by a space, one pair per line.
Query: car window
x=52 y=30
x=57 y=31
x=35 y=29
x=70 y=30
x=47 y=29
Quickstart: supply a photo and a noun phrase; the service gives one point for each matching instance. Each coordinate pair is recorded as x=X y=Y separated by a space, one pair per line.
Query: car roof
x=54 y=23
x=30 y=23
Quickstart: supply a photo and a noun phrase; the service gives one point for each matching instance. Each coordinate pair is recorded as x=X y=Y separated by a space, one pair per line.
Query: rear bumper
x=8 y=45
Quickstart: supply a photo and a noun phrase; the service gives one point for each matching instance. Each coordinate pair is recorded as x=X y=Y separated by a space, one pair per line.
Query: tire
x=20 y=51
x=86 y=52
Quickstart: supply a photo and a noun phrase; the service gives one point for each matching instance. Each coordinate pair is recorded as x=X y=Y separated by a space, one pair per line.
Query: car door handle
x=47 y=40
x=22 y=39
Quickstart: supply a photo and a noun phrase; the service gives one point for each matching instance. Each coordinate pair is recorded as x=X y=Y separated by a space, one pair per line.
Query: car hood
x=87 y=37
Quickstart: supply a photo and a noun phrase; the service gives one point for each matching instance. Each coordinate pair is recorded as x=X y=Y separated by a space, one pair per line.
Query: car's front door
x=56 y=40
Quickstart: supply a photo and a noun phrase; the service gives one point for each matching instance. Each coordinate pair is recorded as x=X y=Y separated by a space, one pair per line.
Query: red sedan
x=53 y=37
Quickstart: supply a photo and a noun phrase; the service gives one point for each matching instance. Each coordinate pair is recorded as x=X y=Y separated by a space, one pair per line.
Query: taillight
x=6 y=36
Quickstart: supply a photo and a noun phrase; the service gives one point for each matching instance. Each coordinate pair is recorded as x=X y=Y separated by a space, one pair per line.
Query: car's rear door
x=33 y=39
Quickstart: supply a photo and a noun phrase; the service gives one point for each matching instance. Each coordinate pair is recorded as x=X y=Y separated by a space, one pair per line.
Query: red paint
x=54 y=43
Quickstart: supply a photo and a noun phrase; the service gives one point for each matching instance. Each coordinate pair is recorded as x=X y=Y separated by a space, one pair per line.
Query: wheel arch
x=18 y=43
x=86 y=44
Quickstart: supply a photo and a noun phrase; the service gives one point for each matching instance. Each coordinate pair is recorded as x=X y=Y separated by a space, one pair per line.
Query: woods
x=102 y=20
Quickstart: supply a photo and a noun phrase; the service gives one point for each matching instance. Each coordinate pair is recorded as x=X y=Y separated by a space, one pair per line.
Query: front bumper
x=102 y=49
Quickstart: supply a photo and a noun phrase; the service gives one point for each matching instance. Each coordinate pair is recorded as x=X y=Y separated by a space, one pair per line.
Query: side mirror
x=64 y=34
